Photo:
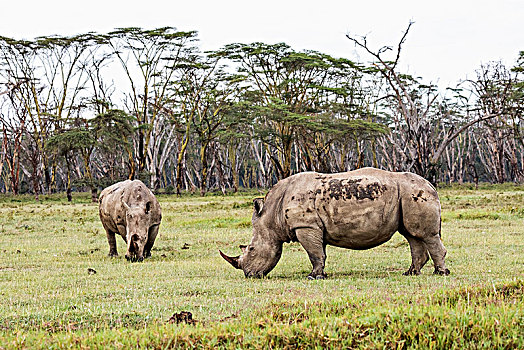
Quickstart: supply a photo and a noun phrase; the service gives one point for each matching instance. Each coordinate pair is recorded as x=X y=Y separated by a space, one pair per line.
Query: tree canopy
x=91 y=109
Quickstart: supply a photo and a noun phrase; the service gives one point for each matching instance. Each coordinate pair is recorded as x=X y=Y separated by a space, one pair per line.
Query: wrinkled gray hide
x=358 y=209
x=130 y=209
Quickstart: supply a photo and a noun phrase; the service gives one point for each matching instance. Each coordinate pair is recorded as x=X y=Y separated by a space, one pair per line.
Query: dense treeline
x=89 y=110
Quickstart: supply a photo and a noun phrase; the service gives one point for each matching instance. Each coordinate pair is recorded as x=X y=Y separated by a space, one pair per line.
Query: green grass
x=48 y=299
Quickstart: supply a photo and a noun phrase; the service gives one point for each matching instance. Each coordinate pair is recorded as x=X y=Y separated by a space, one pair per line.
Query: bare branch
x=399 y=48
x=11 y=87
x=449 y=138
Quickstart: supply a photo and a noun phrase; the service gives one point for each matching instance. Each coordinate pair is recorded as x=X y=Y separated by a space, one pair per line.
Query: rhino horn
x=124 y=204
x=230 y=259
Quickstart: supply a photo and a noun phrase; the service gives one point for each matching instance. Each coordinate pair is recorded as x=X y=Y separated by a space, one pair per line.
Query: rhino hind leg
x=437 y=252
x=111 y=239
x=153 y=232
x=312 y=241
x=419 y=255
x=420 y=246
x=421 y=226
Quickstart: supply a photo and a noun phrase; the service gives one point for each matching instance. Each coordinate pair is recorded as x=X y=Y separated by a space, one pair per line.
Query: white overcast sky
x=449 y=40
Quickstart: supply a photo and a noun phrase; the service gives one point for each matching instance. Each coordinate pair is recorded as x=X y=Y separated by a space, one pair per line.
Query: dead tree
x=425 y=128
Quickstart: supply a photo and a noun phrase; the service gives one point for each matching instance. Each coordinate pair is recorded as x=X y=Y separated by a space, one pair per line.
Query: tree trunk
x=360 y=155
x=68 y=189
x=233 y=162
x=155 y=179
x=286 y=168
x=180 y=160
x=220 y=171
x=474 y=175
x=204 y=169
x=94 y=194
x=498 y=157
x=343 y=154
x=374 y=153
x=511 y=155
x=131 y=165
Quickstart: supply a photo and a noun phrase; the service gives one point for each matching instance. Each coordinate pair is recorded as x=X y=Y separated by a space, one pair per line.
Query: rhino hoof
x=317 y=277
x=441 y=273
x=412 y=272
x=112 y=255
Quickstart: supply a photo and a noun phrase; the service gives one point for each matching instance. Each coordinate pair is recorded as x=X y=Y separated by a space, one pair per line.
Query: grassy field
x=58 y=288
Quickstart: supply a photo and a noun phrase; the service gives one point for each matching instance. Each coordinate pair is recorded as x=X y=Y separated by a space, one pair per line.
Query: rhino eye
x=250 y=248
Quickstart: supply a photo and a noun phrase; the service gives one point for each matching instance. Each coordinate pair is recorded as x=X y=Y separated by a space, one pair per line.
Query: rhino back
x=356 y=210
x=135 y=193
x=112 y=213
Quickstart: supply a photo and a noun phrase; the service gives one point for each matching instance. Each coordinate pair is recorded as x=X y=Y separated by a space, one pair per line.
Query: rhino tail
x=401 y=227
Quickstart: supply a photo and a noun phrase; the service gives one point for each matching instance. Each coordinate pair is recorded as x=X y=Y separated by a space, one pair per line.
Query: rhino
x=358 y=209
x=130 y=209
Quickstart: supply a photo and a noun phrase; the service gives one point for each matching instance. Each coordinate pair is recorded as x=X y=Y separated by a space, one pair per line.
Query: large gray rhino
x=358 y=209
x=130 y=209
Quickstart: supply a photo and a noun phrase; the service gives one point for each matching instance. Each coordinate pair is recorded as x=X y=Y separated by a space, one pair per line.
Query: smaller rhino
x=130 y=209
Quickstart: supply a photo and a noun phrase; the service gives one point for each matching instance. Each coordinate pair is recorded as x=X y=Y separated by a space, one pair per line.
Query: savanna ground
x=58 y=288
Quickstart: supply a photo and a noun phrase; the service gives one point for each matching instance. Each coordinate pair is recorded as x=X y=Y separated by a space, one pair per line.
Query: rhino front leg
x=112 y=243
x=153 y=232
x=313 y=242
x=419 y=255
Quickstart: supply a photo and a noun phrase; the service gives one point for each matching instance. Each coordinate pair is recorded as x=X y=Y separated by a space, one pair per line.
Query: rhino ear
x=259 y=205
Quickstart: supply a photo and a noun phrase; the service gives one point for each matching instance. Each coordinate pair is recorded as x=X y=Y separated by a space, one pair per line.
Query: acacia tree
x=113 y=130
x=278 y=95
x=19 y=65
x=341 y=118
x=217 y=97
x=518 y=107
x=425 y=125
x=236 y=138
x=77 y=140
x=150 y=59
x=64 y=146
x=48 y=83
x=498 y=93
x=12 y=136
x=289 y=90
x=189 y=99
x=107 y=134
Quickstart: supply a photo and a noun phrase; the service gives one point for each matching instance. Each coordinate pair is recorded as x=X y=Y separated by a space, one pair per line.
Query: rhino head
x=263 y=253
x=137 y=229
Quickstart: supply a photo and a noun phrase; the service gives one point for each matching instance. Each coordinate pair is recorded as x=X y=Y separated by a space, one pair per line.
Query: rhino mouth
x=134 y=250
x=251 y=270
